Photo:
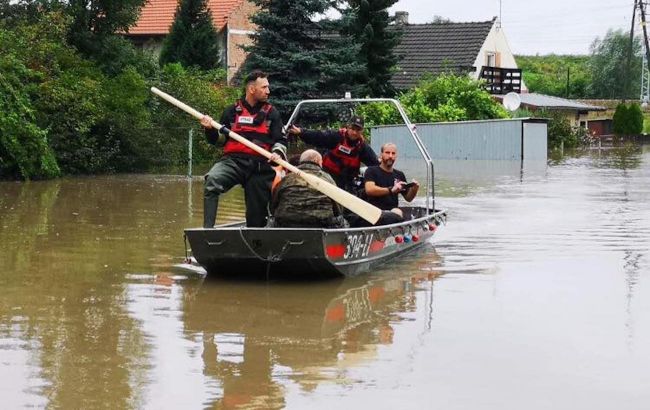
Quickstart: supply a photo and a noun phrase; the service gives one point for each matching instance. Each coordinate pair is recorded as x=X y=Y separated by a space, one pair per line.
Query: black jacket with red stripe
x=343 y=155
x=260 y=124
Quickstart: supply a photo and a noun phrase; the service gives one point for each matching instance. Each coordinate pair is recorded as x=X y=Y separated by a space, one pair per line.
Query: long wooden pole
x=355 y=204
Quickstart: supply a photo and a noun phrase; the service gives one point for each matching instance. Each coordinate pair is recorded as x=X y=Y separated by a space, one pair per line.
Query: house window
x=491 y=59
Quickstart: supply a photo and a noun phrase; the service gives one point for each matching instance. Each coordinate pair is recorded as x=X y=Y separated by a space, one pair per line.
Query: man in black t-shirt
x=383 y=184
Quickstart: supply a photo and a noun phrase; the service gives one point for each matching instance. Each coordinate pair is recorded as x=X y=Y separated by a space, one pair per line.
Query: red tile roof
x=157 y=16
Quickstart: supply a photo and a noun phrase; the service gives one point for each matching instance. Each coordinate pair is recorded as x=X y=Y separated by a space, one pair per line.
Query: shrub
x=635 y=119
x=446 y=97
x=620 y=119
x=560 y=131
x=204 y=91
x=24 y=149
x=628 y=119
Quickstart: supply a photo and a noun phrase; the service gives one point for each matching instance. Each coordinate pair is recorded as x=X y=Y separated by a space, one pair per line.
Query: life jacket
x=344 y=157
x=253 y=127
x=280 y=173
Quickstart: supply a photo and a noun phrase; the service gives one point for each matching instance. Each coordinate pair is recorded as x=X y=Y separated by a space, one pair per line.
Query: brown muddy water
x=535 y=295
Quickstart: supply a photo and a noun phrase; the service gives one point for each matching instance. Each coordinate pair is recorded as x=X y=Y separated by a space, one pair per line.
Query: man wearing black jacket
x=255 y=119
x=346 y=150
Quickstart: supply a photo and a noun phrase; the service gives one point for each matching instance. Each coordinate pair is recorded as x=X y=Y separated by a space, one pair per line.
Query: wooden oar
x=355 y=204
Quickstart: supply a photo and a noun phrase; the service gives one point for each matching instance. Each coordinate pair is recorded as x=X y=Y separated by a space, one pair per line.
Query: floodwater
x=535 y=295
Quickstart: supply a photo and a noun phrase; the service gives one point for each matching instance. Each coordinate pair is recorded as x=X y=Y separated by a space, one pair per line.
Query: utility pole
x=568 y=80
x=628 y=77
x=645 y=75
x=645 y=30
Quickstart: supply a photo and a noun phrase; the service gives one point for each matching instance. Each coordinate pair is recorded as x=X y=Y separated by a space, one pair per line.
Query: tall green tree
x=192 y=40
x=95 y=28
x=96 y=22
x=24 y=149
x=368 y=23
x=608 y=66
x=302 y=57
x=566 y=76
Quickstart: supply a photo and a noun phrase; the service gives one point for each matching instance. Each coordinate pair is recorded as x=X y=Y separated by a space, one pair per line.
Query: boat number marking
x=357 y=245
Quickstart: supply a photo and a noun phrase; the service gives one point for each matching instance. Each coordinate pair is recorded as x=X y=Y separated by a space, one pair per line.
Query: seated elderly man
x=296 y=205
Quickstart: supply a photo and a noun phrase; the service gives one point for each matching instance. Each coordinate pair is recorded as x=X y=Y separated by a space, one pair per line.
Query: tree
x=369 y=25
x=198 y=89
x=619 y=119
x=24 y=151
x=192 y=40
x=628 y=119
x=302 y=56
x=95 y=22
x=635 y=118
x=450 y=97
x=447 y=97
x=439 y=19
x=548 y=74
x=608 y=66
x=95 y=28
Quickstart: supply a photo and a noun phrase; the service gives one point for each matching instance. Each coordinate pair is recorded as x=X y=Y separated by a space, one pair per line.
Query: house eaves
x=157 y=16
x=548 y=102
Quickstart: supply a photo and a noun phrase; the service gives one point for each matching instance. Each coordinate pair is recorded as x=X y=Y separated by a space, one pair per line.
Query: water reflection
x=254 y=340
x=64 y=248
x=621 y=157
x=463 y=178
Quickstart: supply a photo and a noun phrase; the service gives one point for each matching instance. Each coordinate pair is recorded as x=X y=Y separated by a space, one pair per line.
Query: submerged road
x=535 y=295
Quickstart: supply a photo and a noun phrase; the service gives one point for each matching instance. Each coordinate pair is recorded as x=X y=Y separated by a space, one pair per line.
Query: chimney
x=401 y=18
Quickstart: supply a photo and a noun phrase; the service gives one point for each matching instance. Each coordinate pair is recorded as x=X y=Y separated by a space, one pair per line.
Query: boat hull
x=303 y=253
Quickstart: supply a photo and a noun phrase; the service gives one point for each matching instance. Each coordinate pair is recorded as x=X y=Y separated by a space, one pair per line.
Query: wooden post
x=189 y=153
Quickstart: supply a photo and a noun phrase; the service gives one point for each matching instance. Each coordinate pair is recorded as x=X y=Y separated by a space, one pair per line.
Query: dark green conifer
x=192 y=40
x=369 y=25
x=304 y=58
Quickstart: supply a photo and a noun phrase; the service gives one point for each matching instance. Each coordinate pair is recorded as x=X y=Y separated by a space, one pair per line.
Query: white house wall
x=496 y=42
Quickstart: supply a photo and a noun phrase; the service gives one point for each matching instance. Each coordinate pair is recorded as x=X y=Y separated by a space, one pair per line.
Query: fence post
x=189 y=153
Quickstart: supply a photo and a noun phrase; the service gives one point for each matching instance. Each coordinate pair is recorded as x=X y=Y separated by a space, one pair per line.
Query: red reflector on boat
x=399 y=239
x=335 y=251
x=376 y=246
x=415 y=238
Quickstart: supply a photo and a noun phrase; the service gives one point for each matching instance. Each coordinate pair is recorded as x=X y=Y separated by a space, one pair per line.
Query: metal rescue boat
x=303 y=253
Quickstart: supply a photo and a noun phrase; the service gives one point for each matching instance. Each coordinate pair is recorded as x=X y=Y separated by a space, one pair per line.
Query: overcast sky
x=534 y=27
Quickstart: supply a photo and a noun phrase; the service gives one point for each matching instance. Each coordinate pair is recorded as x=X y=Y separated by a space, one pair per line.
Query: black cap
x=356 y=121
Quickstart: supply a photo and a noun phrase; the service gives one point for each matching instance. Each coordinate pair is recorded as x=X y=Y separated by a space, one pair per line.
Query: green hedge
x=628 y=119
x=62 y=113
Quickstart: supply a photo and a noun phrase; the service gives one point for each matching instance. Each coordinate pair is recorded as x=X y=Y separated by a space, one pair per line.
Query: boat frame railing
x=430 y=186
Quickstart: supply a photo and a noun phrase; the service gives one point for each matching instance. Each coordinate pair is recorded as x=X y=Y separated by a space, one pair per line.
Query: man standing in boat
x=346 y=150
x=255 y=119
x=297 y=205
x=384 y=183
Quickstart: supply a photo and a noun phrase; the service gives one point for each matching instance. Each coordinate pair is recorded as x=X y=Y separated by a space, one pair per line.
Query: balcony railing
x=501 y=80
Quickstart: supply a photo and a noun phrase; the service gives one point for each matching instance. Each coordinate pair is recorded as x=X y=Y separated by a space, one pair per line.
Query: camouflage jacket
x=295 y=204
